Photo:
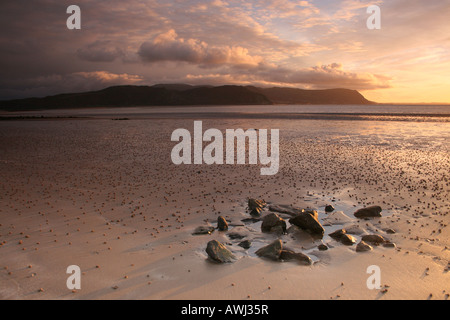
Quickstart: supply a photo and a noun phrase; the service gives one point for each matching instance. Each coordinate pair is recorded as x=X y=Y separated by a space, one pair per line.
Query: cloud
x=333 y=75
x=319 y=77
x=236 y=65
x=99 y=51
x=169 y=47
x=107 y=77
x=273 y=42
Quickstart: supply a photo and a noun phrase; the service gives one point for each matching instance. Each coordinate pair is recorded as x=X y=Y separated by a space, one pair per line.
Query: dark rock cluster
x=304 y=219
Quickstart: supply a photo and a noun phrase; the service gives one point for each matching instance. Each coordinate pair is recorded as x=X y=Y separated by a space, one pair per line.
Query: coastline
x=243 y=115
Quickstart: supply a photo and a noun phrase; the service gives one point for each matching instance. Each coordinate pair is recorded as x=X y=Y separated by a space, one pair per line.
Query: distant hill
x=300 y=96
x=184 y=95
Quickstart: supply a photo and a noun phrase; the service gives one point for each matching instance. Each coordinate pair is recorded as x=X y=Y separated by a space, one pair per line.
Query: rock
x=308 y=220
x=289 y=210
x=363 y=247
x=255 y=203
x=272 y=251
x=222 y=224
x=374 y=239
x=369 y=212
x=337 y=235
x=219 y=253
x=246 y=244
x=389 y=244
x=272 y=222
x=203 y=230
x=256 y=212
x=322 y=247
x=288 y=255
x=390 y=231
x=348 y=240
x=329 y=208
x=343 y=237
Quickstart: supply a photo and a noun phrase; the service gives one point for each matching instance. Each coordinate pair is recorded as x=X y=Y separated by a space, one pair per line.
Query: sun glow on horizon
x=314 y=44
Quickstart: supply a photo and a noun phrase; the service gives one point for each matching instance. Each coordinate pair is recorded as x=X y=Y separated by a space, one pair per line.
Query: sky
x=314 y=44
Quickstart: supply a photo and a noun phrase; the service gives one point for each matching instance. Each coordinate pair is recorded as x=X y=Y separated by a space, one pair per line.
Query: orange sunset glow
x=302 y=44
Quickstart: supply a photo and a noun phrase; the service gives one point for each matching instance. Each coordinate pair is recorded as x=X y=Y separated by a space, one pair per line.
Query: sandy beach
x=105 y=196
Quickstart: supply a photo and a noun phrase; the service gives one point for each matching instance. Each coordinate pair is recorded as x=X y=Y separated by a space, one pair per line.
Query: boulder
x=343 y=237
x=374 y=239
x=256 y=212
x=337 y=235
x=222 y=224
x=272 y=222
x=271 y=251
x=322 y=247
x=203 y=230
x=289 y=210
x=308 y=220
x=256 y=203
x=389 y=244
x=348 y=240
x=369 y=212
x=219 y=253
x=329 y=208
x=363 y=247
x=289 y=255
x=246 y=244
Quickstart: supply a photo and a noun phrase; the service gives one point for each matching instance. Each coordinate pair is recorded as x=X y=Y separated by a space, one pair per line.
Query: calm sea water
x=425 y=111
x=420 y=126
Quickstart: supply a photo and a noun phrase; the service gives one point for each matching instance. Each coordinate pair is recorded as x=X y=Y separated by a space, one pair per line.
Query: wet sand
x=104 y=195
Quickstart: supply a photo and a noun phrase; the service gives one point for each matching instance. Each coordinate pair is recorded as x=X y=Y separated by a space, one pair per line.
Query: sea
x=397 y=126
x=426 y=111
